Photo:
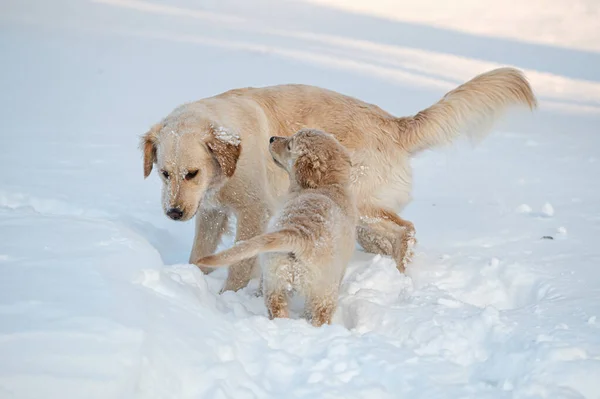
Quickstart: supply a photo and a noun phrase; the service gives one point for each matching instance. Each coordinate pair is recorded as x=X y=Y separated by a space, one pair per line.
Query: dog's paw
x=411 y=241
x=205 y=269
x=404 y=250
x=231 y=286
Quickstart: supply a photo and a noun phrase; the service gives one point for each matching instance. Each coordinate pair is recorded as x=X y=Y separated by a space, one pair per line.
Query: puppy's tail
x=278 y=241
x=470 y=109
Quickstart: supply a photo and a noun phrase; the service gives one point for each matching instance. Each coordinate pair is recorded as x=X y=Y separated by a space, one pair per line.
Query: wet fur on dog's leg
x=404 y=249
x=373 y=241
x=240 y=274
x=384 y=232
x=211 y=224
x=248 y=226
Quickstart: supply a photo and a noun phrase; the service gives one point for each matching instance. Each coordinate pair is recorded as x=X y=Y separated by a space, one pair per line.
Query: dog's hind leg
x=384 y=232
x=374 y=239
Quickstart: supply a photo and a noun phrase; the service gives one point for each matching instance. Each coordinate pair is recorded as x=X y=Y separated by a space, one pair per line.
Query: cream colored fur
x=311 y=238
x=242 y=179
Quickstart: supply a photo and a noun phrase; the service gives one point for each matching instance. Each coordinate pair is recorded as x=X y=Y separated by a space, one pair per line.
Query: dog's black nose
x=272 y=139
x=175 y=213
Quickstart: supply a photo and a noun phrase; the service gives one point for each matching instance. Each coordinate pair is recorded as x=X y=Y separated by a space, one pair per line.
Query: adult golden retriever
x=311 y=238
x=213 y=157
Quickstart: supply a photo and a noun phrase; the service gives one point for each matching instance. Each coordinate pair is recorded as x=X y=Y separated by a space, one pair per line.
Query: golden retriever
x=214 y=162
x=311 y=238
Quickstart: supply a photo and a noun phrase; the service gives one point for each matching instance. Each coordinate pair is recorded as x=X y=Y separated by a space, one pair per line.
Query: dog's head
x=312 y=158
x=192 y=157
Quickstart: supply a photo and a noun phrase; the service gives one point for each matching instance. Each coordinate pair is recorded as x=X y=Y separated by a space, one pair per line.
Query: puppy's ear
x=148 y=147
x=309 y=171
x=225 y=149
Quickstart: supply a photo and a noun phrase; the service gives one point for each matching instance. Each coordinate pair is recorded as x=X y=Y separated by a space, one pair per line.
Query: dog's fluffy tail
x=470 y=109
x=278 y=241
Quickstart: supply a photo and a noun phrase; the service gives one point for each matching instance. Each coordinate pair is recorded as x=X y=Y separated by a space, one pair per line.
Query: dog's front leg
x=251 y=221
x=210 y=226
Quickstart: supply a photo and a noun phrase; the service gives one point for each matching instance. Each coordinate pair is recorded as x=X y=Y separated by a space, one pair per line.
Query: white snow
x=524 y=208
x=225 y=135
x=97 y=299
x=567 y=23
x=548 y=209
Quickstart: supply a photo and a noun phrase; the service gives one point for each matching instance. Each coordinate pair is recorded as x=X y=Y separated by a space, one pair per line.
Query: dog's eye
x=191 y=174
x=165 y=174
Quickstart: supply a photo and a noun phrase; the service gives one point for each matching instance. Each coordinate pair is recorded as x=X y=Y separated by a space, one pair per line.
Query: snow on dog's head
x=225 y=135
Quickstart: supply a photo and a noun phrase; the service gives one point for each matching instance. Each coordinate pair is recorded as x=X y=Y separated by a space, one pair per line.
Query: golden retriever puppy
x=214 y=163
x=311 y=238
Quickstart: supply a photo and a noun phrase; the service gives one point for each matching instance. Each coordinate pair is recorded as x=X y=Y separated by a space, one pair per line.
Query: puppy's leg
x=210 y=226
x=275 y=268
x=277 y=304
x=321 y=307
x=383 y=232
x=251 y=221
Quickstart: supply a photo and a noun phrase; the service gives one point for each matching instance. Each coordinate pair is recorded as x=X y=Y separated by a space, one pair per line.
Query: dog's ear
x=148 y=147
x=309 y=171
x=225 y=148
x=322 y=165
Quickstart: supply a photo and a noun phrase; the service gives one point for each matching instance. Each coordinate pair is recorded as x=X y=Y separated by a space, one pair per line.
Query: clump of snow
x=562 y=231
x=369 y=219
x=531 y=143
x=226 y=135
x=548 y=209
x=524 y=208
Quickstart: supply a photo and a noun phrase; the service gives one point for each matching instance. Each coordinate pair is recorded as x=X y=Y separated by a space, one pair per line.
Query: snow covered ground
x=96 y=297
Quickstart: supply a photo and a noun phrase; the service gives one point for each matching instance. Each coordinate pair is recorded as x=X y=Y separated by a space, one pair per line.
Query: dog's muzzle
x=175 y=213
